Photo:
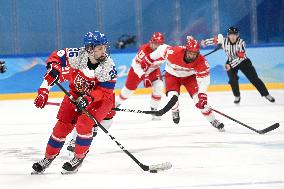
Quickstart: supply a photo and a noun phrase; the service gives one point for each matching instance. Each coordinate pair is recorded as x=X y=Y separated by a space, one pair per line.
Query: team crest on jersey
x=61 y=53
x=82 y=84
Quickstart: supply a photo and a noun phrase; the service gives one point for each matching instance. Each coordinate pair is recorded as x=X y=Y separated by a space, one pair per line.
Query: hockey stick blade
x=270 y=128
x=266 y=130
x=169 y=105
x=158 y=167
x=134 y=111
x=164 y=110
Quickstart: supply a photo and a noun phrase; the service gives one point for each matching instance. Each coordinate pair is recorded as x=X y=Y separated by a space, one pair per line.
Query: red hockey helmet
x=158 y=38
x=192 y=45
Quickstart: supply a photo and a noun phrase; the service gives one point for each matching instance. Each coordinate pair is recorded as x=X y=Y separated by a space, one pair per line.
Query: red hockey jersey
x=143 y=51
x=98 y=81
x=175 y=64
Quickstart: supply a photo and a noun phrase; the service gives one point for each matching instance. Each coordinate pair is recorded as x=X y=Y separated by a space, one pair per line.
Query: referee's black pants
x=249 y=71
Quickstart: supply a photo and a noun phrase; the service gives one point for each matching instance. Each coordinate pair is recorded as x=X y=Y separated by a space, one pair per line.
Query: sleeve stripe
x=108 y=85
x=202 y=74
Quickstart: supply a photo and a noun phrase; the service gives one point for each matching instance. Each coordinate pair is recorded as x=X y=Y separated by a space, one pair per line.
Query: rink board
x=25 y=73
x=212 y=88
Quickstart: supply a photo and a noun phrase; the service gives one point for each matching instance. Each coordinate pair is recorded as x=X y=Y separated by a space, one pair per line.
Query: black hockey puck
x=153 y=171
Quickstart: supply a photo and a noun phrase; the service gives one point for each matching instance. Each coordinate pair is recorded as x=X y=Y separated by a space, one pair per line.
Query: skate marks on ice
x=269 y=184
x=25 y=153
x=204 y=145
x=154 y=149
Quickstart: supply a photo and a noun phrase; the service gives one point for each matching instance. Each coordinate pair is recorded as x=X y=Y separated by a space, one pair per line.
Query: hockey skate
x=270 y=98
x=217 y=124
x=237 y=99
x=176 y=117
x=154 y=117
x=72 y=166
x=40 y=166
x=71 y=146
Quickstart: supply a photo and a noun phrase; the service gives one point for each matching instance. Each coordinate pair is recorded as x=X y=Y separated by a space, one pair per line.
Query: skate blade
x=36 y=173
x=156 y=119
x=221 y=130
x=65 y=172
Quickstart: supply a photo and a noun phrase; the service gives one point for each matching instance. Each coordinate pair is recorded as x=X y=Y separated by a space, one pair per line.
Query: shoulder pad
x=104 y=72
x=77 y=57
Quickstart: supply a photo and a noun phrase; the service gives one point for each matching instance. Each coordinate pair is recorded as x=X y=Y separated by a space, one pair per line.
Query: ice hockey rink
x=201 y=156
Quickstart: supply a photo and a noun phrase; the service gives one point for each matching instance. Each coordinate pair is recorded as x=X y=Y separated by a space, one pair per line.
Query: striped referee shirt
x=231 y=49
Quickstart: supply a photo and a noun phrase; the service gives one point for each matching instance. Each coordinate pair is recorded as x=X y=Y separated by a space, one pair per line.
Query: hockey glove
x=53 y=73
x=84 y=101
x=146 y=81
x=202 y=97
x=146 y=62
x=41 y=98
x=2 y=67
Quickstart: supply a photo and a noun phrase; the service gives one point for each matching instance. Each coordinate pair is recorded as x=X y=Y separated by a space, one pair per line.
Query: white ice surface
x=201 y=156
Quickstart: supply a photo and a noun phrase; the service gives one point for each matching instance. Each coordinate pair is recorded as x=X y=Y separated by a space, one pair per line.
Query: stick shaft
x=216 y=49
x=144 y=167
x=245 y=125
x=53 y=103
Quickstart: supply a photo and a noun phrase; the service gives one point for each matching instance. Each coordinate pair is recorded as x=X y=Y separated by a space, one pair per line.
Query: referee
x=237 y=60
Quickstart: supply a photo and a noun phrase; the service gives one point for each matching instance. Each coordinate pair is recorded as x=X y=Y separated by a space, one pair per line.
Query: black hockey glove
x=84 y=101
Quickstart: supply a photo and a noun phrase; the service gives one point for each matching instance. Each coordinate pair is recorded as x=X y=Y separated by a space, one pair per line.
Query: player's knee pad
x=62 y=129
x=125 y=93
x=84 y=125
x=195 y=98
x=158 y=87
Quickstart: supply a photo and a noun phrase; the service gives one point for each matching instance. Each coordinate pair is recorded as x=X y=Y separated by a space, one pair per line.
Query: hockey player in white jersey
x=186 y=66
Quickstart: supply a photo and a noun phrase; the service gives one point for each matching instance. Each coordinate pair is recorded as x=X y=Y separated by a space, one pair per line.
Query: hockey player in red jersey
x=150 y=77
x=92 y=76
x=185 y=66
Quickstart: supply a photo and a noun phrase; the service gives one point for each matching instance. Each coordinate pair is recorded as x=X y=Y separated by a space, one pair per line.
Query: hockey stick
x=164 y=110
x=53 y=103
x=214 y=50
x=263 y=131
x=151 y=168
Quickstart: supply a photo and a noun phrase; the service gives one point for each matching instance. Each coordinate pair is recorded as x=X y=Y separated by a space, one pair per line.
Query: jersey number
x=73 y=52
x=113 y=73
